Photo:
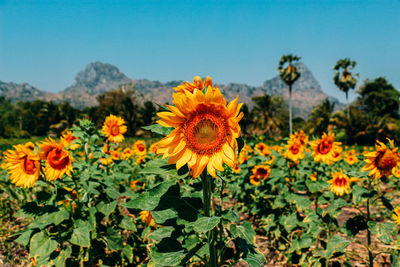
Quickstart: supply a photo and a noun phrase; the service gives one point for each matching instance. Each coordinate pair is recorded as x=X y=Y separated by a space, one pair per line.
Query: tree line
x=373 y=115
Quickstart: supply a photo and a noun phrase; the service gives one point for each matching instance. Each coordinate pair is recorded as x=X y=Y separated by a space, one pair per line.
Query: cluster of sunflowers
x=203 y=135
x=24 y=162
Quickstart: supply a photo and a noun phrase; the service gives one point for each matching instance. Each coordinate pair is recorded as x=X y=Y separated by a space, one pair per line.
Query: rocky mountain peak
x=96 y=78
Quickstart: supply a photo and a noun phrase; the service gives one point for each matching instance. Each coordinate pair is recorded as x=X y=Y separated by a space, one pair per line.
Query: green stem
x=371 y=259
x=211 y=235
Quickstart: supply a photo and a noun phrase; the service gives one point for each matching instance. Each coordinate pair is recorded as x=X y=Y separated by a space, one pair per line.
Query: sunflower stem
x=211 y=235
x=370 y=256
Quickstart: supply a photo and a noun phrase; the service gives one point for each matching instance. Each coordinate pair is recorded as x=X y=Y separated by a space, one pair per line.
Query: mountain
x=22 y=92
x=99 y=77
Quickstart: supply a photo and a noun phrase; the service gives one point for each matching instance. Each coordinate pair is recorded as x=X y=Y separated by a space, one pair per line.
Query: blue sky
x=46 y=43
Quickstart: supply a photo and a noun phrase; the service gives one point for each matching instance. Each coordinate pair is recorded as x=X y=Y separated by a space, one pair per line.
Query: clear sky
x=46 y=43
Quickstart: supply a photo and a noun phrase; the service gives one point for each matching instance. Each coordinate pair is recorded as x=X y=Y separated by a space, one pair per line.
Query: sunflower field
x=200 y=195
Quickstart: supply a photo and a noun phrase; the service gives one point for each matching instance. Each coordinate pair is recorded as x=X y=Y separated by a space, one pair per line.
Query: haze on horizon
x=46 y=43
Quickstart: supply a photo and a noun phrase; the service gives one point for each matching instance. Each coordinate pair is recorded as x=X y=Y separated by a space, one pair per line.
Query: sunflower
x=23 y=165
x=351 y=159
x=337 y=154
x=140 y=159
x=205 y=131
x=153 y=148
x=313 y=177
x=300 y=137
x=383 y=161
x=340 y=183
x=396 y=215
x=263 y=149
x=243 y=157
x=67 y=139
x=197 y=84
x=260 y=172
x=396 y=172
x=115 y=155
x=114 y=128
x=127 y=153
x=106 y=161
x=270 y=161
x=236 y=168
x=325 y=149
x=57 y=159
x=140 y=148
x=147 y=218
x=30 y=145
x=294 y=151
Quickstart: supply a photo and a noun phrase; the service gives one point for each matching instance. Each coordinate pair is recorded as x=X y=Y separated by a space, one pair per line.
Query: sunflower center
x=341 y=181
x=262 y=171
x=387 y=161
x=114 y=130
x=57 y=159
x=205 y=133
x=324 y=147
x=29 y=166
x=141 y=148
x=294 y=149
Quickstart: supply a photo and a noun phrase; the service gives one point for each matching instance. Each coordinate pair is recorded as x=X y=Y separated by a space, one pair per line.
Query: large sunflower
x=23 y=165
x=114 y=128
x=383 y=161
x=197 y=84
x=326 y=149
x=340 y=183
x=57 y=159
x=205 y=131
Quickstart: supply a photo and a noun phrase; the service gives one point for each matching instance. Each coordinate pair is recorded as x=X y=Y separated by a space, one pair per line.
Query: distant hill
x=99 y=77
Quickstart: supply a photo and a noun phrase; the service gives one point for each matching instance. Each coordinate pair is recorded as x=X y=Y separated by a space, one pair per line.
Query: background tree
x=320 y=118
x=269 y=114
x=379 y=98
x=289 y=74
x=121 y=102
x=343 y=78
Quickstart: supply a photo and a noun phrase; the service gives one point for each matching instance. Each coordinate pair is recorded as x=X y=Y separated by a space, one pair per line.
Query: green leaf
x=24 y=238
x=244 y=231
x=358 y=193
x=289 y=222
x=255 y=259
x=149 y=200
x=41 y=245
x=114 y=240
x=160 y=216
x=161 y=233
x=62 y=257
x=316 y=186
x=336 y=244
x=81 y=237
x=107 y=208
x=160 y=167
x=158 y=129
x=128 y=224
x=383 y=231
x=205 y=224
x=167 y=259
x=128 y=252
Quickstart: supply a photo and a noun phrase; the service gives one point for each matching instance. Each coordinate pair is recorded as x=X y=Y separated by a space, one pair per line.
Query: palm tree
x=343 y=78
x=289 y=74
x=267 y=114
x=320 y=118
